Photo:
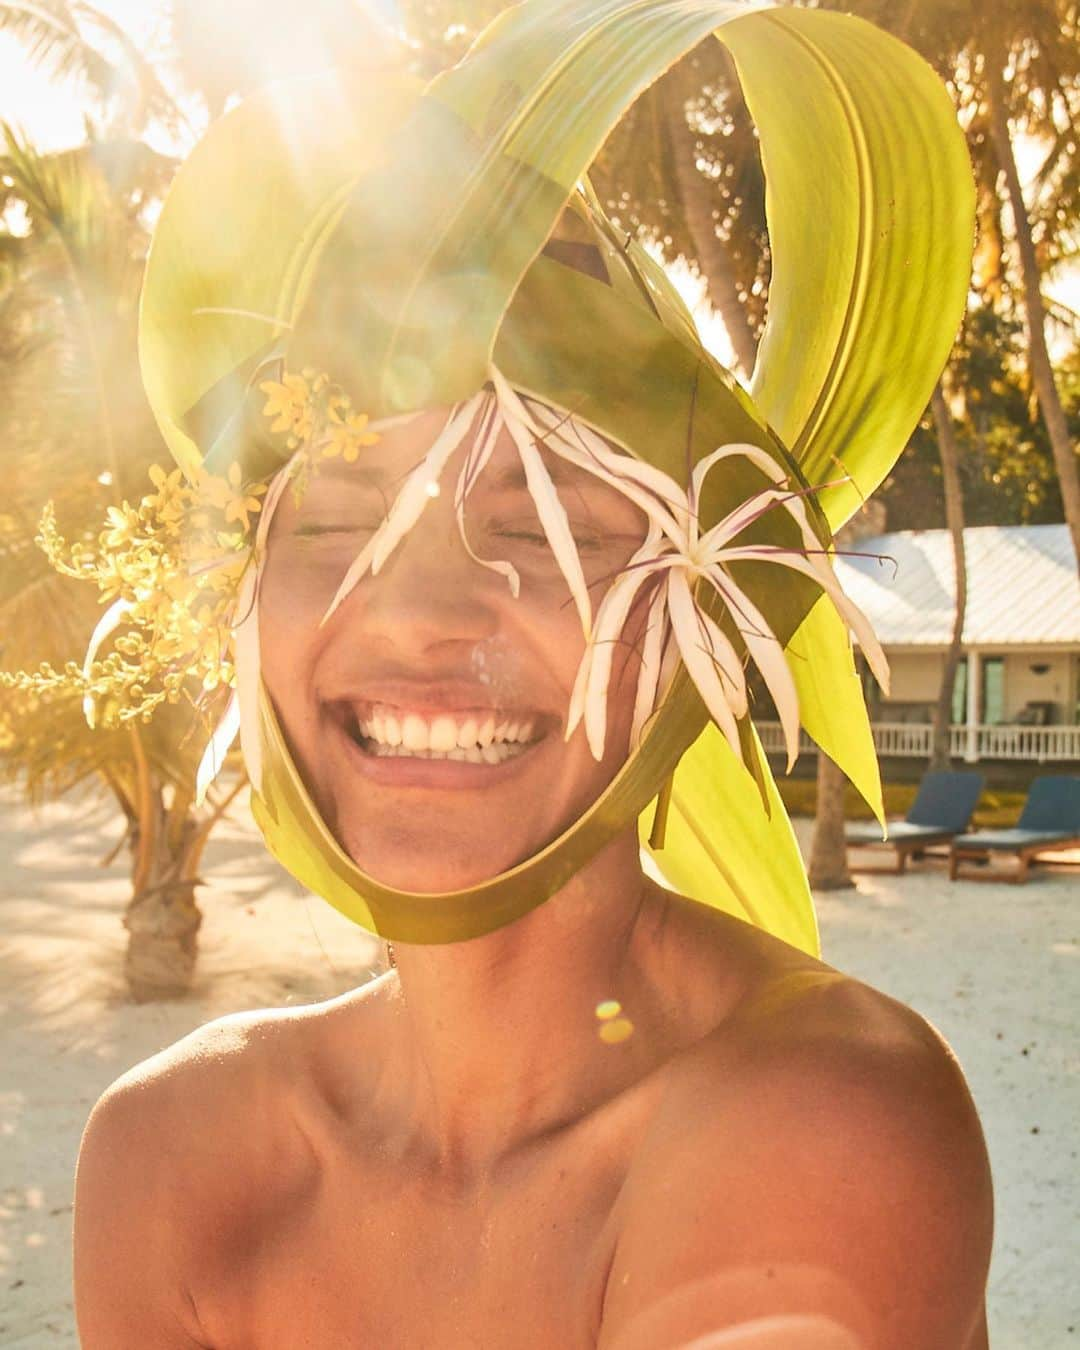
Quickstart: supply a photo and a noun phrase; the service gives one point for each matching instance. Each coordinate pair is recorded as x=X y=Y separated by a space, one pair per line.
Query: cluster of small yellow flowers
x=170 y=567
x=319 y=420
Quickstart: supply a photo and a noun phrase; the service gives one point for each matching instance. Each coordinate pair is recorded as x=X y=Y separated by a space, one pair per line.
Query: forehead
x=384 y=466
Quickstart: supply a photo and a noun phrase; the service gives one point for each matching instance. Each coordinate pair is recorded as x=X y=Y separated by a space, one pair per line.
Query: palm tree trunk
x=162 y=917
x=163 y=922
x=954 y=519
x=696 y=197
x=828 y=869
x=1042 y=373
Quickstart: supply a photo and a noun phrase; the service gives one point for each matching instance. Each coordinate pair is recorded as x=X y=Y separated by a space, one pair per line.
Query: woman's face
x=427 y=716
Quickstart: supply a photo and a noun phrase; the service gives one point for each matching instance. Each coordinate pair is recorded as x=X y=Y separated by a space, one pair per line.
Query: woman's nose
x=429 y=590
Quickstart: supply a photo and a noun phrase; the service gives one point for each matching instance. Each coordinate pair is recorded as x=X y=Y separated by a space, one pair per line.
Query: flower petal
x=689 y=626
x=650 y=489
x=743 y=516
x=475 y=463
x=754 y=453
x=610 y=622
x=817 y=568
x=414 y=496
x=556 y=525
x=213 y=759
x=248 y=670
x=577 y=697
x=767 y=654
x=657 y=629
x=109 y=622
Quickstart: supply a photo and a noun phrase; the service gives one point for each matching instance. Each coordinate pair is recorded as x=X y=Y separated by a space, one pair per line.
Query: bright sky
x=51 y=113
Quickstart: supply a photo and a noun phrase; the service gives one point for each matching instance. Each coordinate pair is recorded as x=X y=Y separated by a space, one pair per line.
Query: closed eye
x=313 y=531
x=581 y=539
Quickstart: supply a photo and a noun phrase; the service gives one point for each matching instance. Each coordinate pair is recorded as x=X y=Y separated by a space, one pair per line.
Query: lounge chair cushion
x=942 y=807
x=900 y=832
x=1012 y=841
x=1051 y=815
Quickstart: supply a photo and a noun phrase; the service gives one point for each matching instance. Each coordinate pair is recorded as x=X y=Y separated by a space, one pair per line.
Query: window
x=992 y=710
x=959 y=692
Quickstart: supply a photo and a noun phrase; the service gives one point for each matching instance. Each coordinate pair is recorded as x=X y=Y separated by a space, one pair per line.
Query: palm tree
x=1013 y=69
x=828 y=867
x=681 y=170
x=76 y=41
x=954 y=519
x=1034 y=308
x=699 y=192
x=75 y=428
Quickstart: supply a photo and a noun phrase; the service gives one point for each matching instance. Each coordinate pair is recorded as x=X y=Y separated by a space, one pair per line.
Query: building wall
x=916 y=676
x=1023 y=686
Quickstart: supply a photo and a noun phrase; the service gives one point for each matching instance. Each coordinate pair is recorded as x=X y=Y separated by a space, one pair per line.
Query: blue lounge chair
x=942 y=808
x=1050 y=819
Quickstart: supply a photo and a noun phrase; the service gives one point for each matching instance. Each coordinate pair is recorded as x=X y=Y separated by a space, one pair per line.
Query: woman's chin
x=432 y=877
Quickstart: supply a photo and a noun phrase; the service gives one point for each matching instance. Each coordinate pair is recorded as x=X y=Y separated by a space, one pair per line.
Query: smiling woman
x=488 y=543
x=439 y=673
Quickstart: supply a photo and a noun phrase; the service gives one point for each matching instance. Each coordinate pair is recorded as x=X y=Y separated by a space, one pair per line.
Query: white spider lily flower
x=409 y=504
x=678 y=548
x=109 y=622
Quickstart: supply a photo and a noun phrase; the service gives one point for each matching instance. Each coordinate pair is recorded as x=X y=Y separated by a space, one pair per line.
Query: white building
x=1018 y=689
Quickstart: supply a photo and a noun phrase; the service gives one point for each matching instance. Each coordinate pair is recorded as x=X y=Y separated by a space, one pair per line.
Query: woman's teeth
x=471 y=739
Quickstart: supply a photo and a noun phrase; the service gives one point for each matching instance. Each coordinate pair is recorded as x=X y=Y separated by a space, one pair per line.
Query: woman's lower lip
x=404 y=771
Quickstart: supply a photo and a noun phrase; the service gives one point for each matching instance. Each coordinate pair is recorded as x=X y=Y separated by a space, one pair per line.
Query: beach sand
x=994 y=967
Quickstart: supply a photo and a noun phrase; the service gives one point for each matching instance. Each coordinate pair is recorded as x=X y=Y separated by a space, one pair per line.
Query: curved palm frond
x=57 y=35
x=50 y=33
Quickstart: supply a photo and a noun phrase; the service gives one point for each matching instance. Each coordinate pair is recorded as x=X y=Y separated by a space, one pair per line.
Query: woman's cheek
x=301 y=581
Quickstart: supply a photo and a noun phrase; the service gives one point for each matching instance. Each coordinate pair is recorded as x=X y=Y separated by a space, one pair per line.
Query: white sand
x=992 y=966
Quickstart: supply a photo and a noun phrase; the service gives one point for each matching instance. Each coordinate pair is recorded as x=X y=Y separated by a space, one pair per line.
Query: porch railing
x=911 y=740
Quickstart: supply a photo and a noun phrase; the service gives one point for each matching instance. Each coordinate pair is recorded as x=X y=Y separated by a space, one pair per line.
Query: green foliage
x=1006 y=466
x=75 y=429
x=880 y=190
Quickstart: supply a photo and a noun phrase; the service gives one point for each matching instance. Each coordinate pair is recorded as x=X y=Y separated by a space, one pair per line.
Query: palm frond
x=150 y=101
x=49 y=31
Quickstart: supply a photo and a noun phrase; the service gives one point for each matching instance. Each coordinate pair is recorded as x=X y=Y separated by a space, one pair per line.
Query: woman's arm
x=129 y=1291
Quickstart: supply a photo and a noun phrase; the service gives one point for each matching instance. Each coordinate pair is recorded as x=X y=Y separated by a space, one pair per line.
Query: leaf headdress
x=473 y=269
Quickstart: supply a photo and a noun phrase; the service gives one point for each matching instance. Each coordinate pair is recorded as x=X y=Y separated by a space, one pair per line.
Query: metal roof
x=1023 y=586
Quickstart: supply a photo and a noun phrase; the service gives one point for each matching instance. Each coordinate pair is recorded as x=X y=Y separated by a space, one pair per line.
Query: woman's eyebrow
x=340 y=471
x=512 y=477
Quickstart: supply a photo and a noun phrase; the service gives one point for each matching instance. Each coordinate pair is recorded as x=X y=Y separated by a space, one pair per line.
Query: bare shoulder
x=818 y=1155
x=171 y=1158
x=204 y=1079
